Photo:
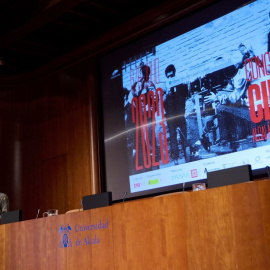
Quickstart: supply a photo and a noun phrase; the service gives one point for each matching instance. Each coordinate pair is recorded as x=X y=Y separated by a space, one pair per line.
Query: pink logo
x=137 y=185
x=194 y=173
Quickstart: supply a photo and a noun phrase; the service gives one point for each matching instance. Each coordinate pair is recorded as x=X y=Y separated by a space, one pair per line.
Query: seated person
x=4 y=203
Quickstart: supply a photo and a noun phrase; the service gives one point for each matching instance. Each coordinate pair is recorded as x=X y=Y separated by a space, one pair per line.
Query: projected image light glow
x=195 y=102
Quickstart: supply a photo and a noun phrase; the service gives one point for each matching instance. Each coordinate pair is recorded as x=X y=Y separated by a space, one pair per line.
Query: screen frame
x=204 y=15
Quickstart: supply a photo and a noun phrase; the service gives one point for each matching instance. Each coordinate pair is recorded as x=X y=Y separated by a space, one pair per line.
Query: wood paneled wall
x=49 y=147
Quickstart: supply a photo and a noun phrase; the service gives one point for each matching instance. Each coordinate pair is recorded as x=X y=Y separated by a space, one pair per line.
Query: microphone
x=125 y=194
x=38 y=213
x=81 y=205
x=268 y=171
x=184 y=187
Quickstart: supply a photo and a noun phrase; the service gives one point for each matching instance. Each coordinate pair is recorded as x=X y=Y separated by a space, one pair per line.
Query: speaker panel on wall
x=229 y=176
x=97 y=200
x=11 y=216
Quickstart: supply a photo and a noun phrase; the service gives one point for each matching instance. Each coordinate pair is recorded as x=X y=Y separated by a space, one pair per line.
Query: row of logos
x=175 y=176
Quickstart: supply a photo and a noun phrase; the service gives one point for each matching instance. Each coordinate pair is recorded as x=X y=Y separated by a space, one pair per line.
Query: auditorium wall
x=49 y=142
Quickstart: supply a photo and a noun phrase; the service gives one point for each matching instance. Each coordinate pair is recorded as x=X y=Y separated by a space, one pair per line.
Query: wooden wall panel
x=53 y=184
x=146 y=232
x=32 y=241
x=61 y=254
x=41 y=121
x=174 y=226
x=19 y=149
x=219 y=228
x=53 y=125
x=13 y=244
x=245 y=209
x=213 y=229
x=3 y=259
x=175 y=229
x=209 y=225
x=78 y=137
x=30 y=152
x=85 y=256
x=35 y=244
x=101 y=259
x=9 y=130
x=264 y=191
x=95 y=122
x=134 y=224
x=96 y=256
x=50 y=244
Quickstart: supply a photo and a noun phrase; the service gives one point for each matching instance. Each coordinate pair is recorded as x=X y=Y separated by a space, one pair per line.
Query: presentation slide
x=194 y=103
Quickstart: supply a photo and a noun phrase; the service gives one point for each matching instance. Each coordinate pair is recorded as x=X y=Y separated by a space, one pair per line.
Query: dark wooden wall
x=49 y=141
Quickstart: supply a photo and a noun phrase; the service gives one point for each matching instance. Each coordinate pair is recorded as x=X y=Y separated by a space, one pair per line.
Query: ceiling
x=35 y=32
